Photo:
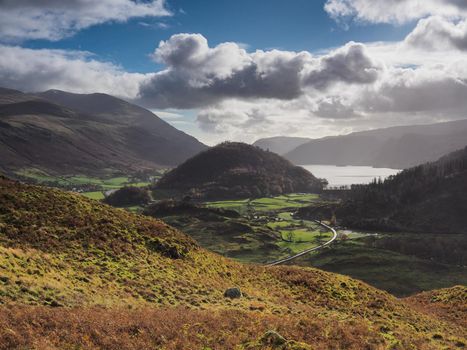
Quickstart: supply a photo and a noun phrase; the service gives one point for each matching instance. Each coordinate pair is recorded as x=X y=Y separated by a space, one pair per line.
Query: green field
x=243 y=206
x=97 y=185
x=97 y=195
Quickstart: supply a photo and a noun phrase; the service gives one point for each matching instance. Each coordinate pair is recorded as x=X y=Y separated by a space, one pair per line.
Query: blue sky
x=294 y=25
x=245 y=69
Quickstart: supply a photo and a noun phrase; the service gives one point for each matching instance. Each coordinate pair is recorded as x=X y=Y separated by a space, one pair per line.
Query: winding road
x=306 y=251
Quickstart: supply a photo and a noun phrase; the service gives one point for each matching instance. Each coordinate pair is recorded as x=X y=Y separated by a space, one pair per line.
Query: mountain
x=76 y=273
x=427 y=198
x=65 y=133
x=238 y=170
x=397 y=147
x=280 y=144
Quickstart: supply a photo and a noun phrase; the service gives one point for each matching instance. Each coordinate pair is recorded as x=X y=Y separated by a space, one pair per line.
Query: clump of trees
x=169 y=207
x=128 y=196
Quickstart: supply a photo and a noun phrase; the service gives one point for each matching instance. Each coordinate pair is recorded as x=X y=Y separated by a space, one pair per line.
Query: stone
x=273 y=338
x=233 y=293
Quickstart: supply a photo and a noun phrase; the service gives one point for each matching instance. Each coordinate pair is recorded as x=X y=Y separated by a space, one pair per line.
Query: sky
x=246 y=69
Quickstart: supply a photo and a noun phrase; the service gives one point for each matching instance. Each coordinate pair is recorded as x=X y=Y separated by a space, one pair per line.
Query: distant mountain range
x=397 y=147
x=280 y=144
x=66 y=133
x=238 y=170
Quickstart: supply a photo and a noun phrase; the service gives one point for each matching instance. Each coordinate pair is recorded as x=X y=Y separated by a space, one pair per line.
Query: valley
x=268 y=229
x=263 y=230
x=401 y=263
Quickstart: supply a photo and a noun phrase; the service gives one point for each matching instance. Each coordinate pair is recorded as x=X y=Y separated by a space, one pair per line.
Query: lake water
x=348 y=175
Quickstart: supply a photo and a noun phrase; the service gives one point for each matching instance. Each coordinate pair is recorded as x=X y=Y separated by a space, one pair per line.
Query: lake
x=348 y=175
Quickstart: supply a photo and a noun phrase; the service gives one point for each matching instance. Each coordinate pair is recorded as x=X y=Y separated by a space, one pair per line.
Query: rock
x=273 y=338
x=233 y=293
x=55 y=303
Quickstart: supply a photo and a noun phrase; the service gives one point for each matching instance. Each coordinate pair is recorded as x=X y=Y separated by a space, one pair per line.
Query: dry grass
x=180 y=328
x=449 y=304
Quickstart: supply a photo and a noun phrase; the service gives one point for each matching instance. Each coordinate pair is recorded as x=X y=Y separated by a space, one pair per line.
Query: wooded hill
x=427 y=198
x=238 y=170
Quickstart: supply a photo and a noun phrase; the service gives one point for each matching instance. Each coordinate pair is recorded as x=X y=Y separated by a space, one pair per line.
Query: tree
x=290 y=236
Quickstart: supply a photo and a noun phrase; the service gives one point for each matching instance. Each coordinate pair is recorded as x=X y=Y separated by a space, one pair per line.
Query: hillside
x=238 y=170
x=280 y=144
x=426 y=198
x=75 y=273
x=397 y=147
x=449 y=304
x=63 y=133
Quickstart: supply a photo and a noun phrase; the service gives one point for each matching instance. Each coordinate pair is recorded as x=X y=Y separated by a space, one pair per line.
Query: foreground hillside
x=426 y=198
x=449 y=304
x=78 y=274
x=238 y=170
x=397 y=147
x=67 y=134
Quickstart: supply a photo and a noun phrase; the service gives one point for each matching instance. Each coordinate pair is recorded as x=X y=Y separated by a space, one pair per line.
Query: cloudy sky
x=243 y=69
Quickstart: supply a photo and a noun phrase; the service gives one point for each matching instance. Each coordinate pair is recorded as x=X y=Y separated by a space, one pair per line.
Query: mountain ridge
x=280 y=144
x=65 y=133
x=397 y=147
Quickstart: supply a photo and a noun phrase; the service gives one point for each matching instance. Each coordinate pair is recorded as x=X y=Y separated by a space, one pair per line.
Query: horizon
x=241 y=71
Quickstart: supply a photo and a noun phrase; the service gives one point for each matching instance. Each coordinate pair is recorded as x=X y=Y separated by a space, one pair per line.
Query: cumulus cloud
x=437 y=33
x=394 y=11
x=76 y=71
x=335 y=107
x=56 y=19
x=198 y=75
x=435 y=91
x=350 y=64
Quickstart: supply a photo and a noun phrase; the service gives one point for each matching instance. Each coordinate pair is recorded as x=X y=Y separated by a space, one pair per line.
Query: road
x=306 y=251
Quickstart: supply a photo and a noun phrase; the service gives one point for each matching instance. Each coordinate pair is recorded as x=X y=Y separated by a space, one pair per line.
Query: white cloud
x=198 y=75
x=437 y=33
x=56 y=19
x=76 y=71
x=394 y=11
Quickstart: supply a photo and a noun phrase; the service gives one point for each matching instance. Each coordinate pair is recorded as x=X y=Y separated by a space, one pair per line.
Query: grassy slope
x=120 y=274
x=449 y=304
x=400 y=274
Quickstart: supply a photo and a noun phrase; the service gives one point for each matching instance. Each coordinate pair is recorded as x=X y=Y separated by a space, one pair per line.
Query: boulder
x=273 y=339
x=233 y=293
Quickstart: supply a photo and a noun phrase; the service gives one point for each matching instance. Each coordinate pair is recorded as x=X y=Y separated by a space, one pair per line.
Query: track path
x=306 y=251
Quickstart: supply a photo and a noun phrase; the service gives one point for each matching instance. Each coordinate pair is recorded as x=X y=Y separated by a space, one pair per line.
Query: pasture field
x=91 y=187
x=292 y=201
